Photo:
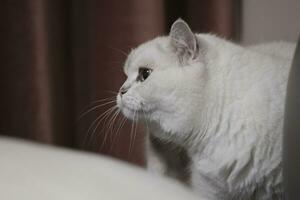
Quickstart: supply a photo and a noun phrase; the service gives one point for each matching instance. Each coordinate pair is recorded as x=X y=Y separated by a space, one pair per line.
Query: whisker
x=122 y=123
x=101 y=100
x=147 y=126
x=104 y=119
x=96 y=121
x=94 y=108
x=110 y=91
x=131 y=135
x=97 y=101
x=109 y=127
x=113 y=123
x=116 y=62
x=135 y=130
x=119 y=50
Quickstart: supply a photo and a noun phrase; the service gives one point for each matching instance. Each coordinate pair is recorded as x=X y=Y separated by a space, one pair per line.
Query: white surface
x=30 y=171
x=270 y=20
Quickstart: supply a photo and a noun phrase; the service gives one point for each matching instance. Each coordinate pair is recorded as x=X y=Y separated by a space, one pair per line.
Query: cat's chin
x=129 y=113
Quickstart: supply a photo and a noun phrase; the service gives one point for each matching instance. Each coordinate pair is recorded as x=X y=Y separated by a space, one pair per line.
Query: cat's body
x=220 y=104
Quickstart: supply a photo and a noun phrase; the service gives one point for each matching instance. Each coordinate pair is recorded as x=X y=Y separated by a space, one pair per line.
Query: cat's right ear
x=183 y=41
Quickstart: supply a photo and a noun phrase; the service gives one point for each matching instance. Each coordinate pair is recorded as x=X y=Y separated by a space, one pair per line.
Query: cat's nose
x=123 y=90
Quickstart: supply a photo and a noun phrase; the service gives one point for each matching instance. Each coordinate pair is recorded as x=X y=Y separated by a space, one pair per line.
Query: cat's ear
x=183 y=40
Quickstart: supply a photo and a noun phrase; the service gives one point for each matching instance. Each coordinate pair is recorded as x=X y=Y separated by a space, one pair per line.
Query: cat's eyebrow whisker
x=95 y=107
x=119 y=50
x=115 y=62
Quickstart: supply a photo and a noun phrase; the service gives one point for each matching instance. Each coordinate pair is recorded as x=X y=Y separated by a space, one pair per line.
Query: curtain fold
x=58 y=56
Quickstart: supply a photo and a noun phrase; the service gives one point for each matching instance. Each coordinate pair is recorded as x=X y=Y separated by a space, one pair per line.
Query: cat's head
x=165 y=77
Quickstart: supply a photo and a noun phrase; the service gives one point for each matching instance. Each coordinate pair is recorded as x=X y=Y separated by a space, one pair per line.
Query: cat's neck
x=220 y=56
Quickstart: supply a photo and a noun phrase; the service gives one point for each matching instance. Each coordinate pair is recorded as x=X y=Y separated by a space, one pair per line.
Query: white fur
x=225 y=107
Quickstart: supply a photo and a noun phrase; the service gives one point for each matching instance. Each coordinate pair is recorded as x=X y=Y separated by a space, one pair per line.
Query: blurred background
x=57 y=57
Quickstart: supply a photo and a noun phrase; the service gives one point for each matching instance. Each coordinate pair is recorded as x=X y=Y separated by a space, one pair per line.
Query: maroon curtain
x=58 y=56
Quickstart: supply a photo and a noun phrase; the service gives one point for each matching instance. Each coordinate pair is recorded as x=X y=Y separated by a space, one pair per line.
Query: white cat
x=214 y=110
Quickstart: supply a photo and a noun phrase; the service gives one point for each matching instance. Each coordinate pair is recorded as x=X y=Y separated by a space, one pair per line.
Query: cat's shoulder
x=281 y=49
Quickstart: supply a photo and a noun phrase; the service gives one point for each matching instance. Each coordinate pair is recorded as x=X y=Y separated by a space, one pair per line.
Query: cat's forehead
x=148 y=54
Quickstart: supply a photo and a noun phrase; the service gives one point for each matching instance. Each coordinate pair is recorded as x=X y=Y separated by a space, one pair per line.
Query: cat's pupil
x=143 y=74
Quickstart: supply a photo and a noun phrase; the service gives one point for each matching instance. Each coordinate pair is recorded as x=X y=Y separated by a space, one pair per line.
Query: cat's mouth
x=128 y=111
x=133 y=114
x=131 y=108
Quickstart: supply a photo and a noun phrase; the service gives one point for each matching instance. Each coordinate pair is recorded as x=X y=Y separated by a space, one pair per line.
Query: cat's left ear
x=183 y=41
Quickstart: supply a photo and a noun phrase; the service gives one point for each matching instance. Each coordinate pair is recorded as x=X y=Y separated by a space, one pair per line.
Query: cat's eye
x=144 y=73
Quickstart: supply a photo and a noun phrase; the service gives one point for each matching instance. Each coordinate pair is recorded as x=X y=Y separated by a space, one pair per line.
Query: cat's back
x=262 y=66
x=253 y=82
x=280 y=49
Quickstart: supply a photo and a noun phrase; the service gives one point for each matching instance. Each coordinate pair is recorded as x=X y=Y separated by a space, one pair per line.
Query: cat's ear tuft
x=183 y=40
